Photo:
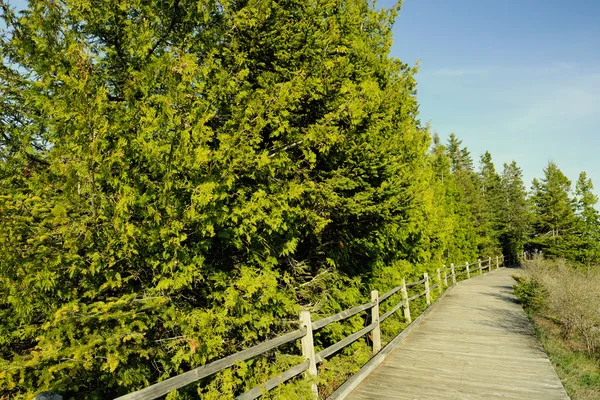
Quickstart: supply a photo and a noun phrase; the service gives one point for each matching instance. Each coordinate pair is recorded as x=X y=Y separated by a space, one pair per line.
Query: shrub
x=569 y=295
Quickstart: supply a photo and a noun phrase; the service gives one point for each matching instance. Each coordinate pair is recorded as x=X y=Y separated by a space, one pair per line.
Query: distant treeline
x=179 y=178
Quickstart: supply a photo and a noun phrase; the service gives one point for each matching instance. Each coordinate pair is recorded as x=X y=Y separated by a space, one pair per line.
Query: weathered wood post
x=439 y=282
x=308 y=351
x=406 y=303
x=427 y=294
x=497 y=263
x=375 y=319
x=445 y=276
x=453 y=274
x=490 y=264
x=468 y=272
x=479 y=265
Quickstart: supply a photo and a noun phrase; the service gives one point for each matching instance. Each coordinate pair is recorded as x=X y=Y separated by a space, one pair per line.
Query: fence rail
x=305 y=334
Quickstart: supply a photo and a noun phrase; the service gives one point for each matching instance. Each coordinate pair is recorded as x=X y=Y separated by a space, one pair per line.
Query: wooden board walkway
x=477 y=343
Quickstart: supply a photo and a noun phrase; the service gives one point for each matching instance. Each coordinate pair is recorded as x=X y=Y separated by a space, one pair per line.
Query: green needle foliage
x=516 y=211
x=588 y=221
x=554 y=219
x=179 y=178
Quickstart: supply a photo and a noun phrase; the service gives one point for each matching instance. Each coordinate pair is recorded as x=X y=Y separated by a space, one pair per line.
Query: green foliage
x=588 y=219
x=529 y=292
x=179 y=178
x=492 y=216
x=554 y=221
x=516 y=211
x=176 y=176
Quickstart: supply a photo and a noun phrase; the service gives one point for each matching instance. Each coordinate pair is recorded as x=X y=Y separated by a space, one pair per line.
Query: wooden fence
x=305 y=335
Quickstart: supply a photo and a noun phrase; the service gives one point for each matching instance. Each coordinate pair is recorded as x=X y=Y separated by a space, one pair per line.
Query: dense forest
x=178 y=179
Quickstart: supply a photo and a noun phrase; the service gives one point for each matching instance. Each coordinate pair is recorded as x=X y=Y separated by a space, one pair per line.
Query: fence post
x=427 y=295
x=468 y=272
x=308 y=351
x=490 y=264
x=375 y=319
x=479 y=265
x=445 y=276
x=439 y=281
x=497 y=263
x=406 y=304
x=453 y=274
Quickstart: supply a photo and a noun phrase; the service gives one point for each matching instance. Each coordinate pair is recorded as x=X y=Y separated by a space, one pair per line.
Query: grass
x=578 y=371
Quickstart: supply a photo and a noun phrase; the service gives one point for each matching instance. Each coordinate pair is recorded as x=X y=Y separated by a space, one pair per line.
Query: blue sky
x=518 y=78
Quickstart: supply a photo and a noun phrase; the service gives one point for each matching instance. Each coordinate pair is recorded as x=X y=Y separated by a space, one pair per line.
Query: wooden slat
x=272 y=383
x=323 y=354
x=390 y=293
x=434 y=286
x=412 y=284
x=342 y=315
x=162 y=388
x=416 y=296
x=393 y=310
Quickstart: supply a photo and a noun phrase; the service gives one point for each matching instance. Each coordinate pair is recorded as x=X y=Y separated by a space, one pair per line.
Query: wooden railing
x=305 y=334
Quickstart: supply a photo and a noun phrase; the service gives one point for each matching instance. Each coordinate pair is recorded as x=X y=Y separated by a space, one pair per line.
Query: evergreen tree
x=460 y=157
x=516 y=211
x=554 y=222
x=457 y=237
x=588 y=221
x=174 y=171
x=468 y=183
x=491 y=223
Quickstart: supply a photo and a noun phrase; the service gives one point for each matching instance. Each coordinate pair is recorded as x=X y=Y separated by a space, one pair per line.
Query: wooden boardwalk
x=477 y=343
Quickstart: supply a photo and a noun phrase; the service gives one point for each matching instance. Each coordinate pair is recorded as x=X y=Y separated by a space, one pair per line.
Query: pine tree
x=588 y=221
x=516 y=211
x=492 y=206
x=468 y=182
x=455 y=234
x=554 y=222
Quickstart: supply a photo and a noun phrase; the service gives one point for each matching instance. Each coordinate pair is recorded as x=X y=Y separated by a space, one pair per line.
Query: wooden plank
x=390 y=293
x=354 y=381
x=476 y=344
x=416 y=296
x=413 y=284
x=272 y=383
x=162 y=388
x=323 y=354
x=342 y=315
